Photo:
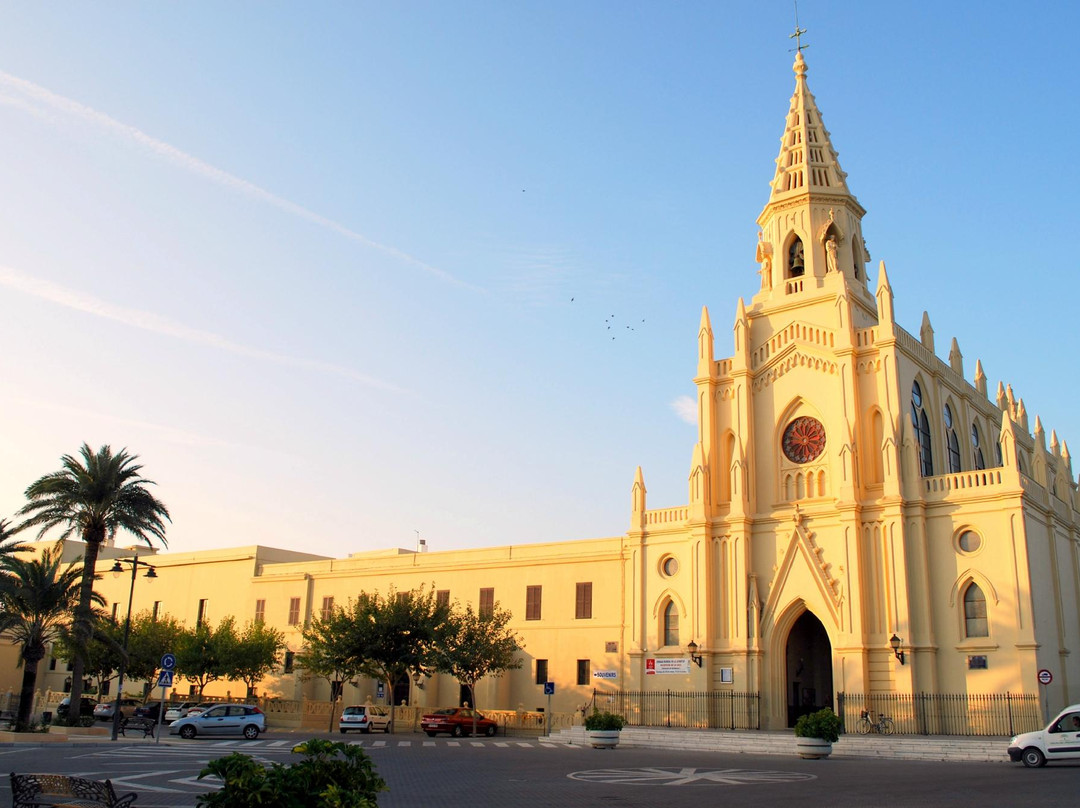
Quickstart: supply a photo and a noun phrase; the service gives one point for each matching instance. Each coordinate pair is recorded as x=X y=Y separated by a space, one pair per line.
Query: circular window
x=669 y=566
x=804 y=439
x=969 y=541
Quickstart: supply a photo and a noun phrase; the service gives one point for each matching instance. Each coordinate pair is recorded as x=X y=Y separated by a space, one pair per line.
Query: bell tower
x=811 y=227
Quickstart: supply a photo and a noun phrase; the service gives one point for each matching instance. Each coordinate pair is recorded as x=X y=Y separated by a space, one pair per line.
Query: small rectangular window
x=583 y=602
x=541 y=671
x=201 y=618
x=115 y=606
x=442 y=598
x=52 y=663
x=327 y=610
x=584 y=669
x=294 y=611
x=532 y=602
x=487 y=602
x=260 y=611
x=290 y=659
x=154 y=612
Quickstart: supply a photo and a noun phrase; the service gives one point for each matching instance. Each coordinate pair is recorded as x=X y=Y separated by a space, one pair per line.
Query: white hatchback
x=1059 y=741
x=364 y=718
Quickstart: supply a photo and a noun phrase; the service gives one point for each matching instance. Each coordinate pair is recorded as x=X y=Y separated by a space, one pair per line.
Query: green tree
x=258 y=651
x=330 y=652
x=37 y=601
x=95 y=497
x=102 y=653
x=475 y=644
x=397 y=635
x=203 y=653
x=151 y=638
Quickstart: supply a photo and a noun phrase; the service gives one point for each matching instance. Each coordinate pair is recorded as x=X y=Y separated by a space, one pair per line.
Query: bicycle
x=883 y=725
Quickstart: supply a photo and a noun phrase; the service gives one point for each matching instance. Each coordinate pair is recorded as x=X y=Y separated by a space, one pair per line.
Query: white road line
x=404 y=743
x=476 y=743
x=130 y=781
x=453 y=743
x=501 y=744
x=526 y=745
x=223 y=743
x=429 y=743
x=379 y=743
x=279 y=743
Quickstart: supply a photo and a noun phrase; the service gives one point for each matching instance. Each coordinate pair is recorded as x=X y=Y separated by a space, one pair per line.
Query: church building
x=861 y=517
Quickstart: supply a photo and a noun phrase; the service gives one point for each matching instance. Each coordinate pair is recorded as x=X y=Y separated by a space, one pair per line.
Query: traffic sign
x=165 y=678
x=549 y=688
x=168 y=662
x=1045 y=677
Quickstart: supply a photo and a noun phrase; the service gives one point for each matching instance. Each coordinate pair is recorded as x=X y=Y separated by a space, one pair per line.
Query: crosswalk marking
x=501 y=745
x=453 y=743
x=404 y=743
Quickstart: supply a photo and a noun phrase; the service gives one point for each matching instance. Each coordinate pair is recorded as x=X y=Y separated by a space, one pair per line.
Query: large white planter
x=603 y=738
x=813 y=748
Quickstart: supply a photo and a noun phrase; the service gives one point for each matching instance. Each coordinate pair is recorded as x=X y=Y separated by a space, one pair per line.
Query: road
x=527 y=772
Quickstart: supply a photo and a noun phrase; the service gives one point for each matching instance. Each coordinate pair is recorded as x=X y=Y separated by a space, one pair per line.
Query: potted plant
x=603 y=728
x=815 y=733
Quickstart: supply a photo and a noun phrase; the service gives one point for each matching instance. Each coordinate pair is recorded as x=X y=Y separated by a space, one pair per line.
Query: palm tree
x=37 y=601
x=95 y=497
x=8 y=545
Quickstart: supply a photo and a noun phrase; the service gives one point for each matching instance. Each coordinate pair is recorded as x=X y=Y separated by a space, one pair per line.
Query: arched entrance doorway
x=809 y=668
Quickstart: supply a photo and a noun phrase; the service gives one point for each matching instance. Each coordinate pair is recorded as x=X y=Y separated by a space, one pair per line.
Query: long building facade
x=861 y=517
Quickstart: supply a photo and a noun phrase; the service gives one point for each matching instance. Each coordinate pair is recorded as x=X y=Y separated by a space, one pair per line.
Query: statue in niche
x=764 y=257
x=831 y=264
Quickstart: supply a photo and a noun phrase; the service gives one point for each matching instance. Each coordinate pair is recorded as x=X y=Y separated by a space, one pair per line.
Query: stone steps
x=896 y=747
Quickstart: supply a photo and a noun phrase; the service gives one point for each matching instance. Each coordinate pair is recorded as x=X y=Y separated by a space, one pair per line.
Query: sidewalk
x=894 y=747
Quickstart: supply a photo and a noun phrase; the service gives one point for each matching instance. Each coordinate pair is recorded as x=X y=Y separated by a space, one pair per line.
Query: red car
x=457 y=721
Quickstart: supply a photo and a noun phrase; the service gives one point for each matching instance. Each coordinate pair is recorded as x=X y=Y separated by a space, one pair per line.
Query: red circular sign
x=1045 y=677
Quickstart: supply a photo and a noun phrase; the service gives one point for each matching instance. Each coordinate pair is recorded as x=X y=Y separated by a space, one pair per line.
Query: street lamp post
x=151 y=573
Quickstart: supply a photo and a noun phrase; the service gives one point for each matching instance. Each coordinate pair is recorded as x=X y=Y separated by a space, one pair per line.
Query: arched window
x=954 y=444
x=975 y=624
x=671 y=624
x=922 y=431
x=796 y=259
x=976 y=450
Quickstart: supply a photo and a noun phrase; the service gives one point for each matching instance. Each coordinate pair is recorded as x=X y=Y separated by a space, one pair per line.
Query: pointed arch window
x=953 y=441
x=922 y=431
x=671 y=624
x=975 y=623
x=976 y=449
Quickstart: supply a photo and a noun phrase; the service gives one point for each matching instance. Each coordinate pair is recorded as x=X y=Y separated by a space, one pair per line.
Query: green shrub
x=823 y=724
x=86 y=720
x=597 y=720
x=331 y=775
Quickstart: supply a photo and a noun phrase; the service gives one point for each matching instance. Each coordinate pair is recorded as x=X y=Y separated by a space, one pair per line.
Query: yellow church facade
x=861 y=517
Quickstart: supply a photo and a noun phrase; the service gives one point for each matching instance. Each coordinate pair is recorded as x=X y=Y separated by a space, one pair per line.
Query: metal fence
x=718 y=709
x=987 y=714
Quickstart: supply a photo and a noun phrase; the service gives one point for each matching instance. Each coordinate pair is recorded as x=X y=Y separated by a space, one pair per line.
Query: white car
x=1059 y=741
x=364 y=718
x=178 y=711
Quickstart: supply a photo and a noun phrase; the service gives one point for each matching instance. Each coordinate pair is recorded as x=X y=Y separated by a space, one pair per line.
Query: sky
x=339 y=273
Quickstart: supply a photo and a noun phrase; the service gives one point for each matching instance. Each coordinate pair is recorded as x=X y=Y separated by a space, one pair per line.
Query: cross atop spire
x=797 y=36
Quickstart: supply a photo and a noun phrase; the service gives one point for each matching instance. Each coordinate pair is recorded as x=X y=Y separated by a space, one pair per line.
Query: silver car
x=222 y=719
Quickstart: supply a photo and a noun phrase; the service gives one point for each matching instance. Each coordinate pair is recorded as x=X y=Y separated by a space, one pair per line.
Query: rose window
x=804 y=439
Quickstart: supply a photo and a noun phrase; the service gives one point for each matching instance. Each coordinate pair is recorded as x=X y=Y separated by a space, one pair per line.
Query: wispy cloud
x=40 y=102
x=686 y=408
x=148 y=321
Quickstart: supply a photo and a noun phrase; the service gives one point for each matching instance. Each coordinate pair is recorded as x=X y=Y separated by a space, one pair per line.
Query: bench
x=138 y=724
x=60 y=791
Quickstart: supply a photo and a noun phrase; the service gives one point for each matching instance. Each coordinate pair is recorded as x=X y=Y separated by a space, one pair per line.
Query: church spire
x=807 y=162
x=811 y=227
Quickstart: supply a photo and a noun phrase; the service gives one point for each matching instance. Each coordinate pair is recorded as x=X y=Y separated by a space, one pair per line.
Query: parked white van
x=1059 y=741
